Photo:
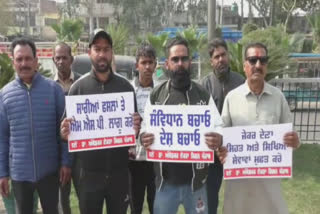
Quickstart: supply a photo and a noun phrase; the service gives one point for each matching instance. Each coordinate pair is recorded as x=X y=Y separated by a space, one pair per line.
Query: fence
x=303 y=96
x=308 y=65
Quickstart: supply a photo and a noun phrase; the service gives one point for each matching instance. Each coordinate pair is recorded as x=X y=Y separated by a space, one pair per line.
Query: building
x=33 y=18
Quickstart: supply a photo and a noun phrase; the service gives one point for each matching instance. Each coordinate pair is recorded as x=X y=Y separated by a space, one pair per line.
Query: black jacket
x=220 y=87
x=106 y=161
x=195 y=95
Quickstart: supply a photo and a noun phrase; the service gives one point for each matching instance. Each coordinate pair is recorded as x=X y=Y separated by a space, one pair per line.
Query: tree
x=5 y=17
x=88 y=4
x=7 y=71
x=278 y=44
x=68 y=30
x=263 y=8
x=195 y=40
x=158 y=42
x=249 y=27
x=288 y=6
x=70 y=8
x=314 y=21
x=119 y=35
x=309 y=6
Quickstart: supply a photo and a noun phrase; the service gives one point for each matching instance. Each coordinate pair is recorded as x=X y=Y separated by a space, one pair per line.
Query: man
x=218 y=83
x=256 y=103
x=62 y=58
x=103 y=173
x=142 y=175
x=181 y=183
x=31 y=107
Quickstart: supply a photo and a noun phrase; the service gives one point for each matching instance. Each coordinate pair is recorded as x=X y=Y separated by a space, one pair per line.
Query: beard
x=102 y=66
x=221 y=70
x=180 y=79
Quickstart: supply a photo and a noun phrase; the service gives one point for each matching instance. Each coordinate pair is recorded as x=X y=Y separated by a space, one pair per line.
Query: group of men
x=34 y=131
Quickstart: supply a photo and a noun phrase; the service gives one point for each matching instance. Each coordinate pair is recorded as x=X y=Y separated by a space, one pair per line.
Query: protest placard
x=257 y=152
x=179 y=132
x=100 y=121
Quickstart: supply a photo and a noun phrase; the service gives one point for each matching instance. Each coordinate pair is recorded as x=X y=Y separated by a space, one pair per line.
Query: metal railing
x=303 y=96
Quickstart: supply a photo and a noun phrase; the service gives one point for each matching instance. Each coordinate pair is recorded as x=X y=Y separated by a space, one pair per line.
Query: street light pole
x=211 y=19
x=28 y=20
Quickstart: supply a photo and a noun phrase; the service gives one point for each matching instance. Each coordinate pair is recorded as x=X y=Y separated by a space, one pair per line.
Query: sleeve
x=205 y=83
x=143 y=124
x=218 y=124
x=66 y=159
x=4 y=141
x=225 y=115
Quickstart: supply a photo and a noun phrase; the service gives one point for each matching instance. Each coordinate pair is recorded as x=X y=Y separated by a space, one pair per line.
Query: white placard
x=257 y=152
x=100 y=121
x=179 y=132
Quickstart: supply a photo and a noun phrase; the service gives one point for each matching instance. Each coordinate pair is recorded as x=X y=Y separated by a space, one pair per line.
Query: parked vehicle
x=125 y=65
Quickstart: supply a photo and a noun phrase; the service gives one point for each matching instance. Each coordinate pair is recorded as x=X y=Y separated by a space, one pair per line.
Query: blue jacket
x=29 y=129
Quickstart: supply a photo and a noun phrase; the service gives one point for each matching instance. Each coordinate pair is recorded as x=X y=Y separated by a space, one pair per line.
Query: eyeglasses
x=176 y=59
x=254 y=59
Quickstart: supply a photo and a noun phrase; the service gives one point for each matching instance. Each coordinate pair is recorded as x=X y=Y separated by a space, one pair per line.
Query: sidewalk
x=2 y=209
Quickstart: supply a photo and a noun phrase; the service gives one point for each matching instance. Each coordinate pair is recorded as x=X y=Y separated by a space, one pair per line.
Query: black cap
x=99 y=33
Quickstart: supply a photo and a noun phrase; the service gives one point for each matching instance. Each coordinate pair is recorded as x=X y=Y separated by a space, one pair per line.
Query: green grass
x=302 y=192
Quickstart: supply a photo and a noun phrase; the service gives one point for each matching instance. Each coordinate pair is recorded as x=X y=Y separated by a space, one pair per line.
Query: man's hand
x=65 y=128
x=65 y=175
x=132 y=152
x=146 y=140
x=136 y=122
x=291 y=139
x=4 y=186
x=213 y=140
x=222 y=154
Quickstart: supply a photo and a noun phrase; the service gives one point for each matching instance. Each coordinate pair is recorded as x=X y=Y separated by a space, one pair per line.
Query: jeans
x=214 y=180
x=171 y=196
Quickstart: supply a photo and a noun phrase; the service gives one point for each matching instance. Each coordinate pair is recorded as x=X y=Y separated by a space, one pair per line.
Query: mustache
x=257 y=70
x=25 y=68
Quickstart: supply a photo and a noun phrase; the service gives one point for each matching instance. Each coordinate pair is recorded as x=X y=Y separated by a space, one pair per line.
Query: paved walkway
x=2 y=209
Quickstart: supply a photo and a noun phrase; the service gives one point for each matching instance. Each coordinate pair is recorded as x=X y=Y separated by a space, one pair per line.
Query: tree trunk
x=241 y=19
x=272 y=12
x=250 y=15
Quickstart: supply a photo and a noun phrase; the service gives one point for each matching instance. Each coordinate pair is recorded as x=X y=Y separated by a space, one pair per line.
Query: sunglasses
x=254 y=59
x=176 y=59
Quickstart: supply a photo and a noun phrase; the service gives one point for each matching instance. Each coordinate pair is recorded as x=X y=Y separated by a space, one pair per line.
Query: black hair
x=145 y=50
x=254 y=45
x=63 y=44
x=214 y=44
x=176 y=41
x=23 y=42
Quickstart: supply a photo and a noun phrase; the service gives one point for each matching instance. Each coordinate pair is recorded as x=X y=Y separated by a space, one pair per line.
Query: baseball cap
x=99 y=33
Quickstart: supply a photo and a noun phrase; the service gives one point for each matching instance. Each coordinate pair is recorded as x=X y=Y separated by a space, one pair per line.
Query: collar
x=224 y=77
x=168 y=85
x=138 y=85
x=266 y=89
x=34 y=78
x=94 y=76
x=56 y=77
